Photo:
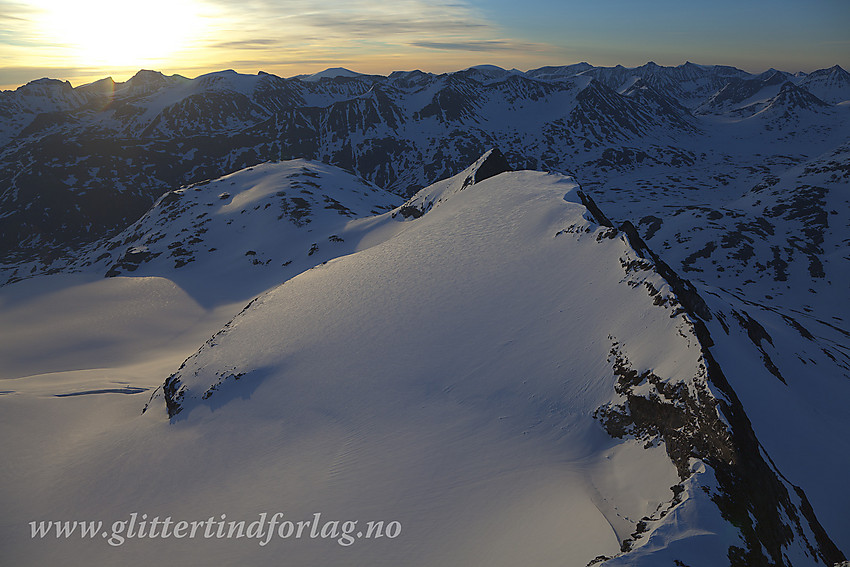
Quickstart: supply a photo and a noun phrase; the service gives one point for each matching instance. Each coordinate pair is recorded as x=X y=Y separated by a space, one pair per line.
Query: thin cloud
x=390 y=26
x=16 y=11
x=247 y=44
x=365 y=21
x=16 y=23
x=481 y=45
x=298 y=61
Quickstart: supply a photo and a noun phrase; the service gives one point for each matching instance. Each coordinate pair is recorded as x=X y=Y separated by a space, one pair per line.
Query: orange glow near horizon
x=85 y=40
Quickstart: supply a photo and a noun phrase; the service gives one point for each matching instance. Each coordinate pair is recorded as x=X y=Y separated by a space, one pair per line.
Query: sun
x=109 y=33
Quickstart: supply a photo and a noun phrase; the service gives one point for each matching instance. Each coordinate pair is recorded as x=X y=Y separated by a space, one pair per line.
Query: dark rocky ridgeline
x=594 y=210
x=172 y=391
x=770 y=512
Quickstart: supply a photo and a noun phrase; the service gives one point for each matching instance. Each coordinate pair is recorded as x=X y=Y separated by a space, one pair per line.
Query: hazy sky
x=84 y=40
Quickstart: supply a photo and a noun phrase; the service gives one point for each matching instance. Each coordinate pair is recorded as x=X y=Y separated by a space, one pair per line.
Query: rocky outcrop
x=707 y=421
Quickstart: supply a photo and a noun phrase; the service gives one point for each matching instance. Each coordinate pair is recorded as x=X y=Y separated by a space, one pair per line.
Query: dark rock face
x=494 y=164
x=409 y=211
x=130 y=261
x=687 y=423
x=684 y=290
x=769 y=511
x=594 y=210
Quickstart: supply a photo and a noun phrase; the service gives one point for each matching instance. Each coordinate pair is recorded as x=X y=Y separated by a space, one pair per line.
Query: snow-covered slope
x=503 y=372
x=783 y=239
x=252 y=228
x=595 y=336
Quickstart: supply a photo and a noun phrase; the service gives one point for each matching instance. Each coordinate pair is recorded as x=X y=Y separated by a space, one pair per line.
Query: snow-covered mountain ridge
x=495 y=347
x=663 y=388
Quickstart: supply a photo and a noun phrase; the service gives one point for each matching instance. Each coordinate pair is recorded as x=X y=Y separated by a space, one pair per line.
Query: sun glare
x=106 y=33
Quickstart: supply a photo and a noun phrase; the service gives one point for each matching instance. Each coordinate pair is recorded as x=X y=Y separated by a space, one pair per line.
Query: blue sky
x=88 y=39
x=753 y=34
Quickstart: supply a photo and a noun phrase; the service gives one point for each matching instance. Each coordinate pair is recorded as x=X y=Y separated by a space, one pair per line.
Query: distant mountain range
x=77 y=164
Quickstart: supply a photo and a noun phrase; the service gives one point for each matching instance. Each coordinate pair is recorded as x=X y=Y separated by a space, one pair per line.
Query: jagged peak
x=835 y=70
x=490 y=164
x=147 y=75
x=773 y=77
x=594 y=88
x=792 y=95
